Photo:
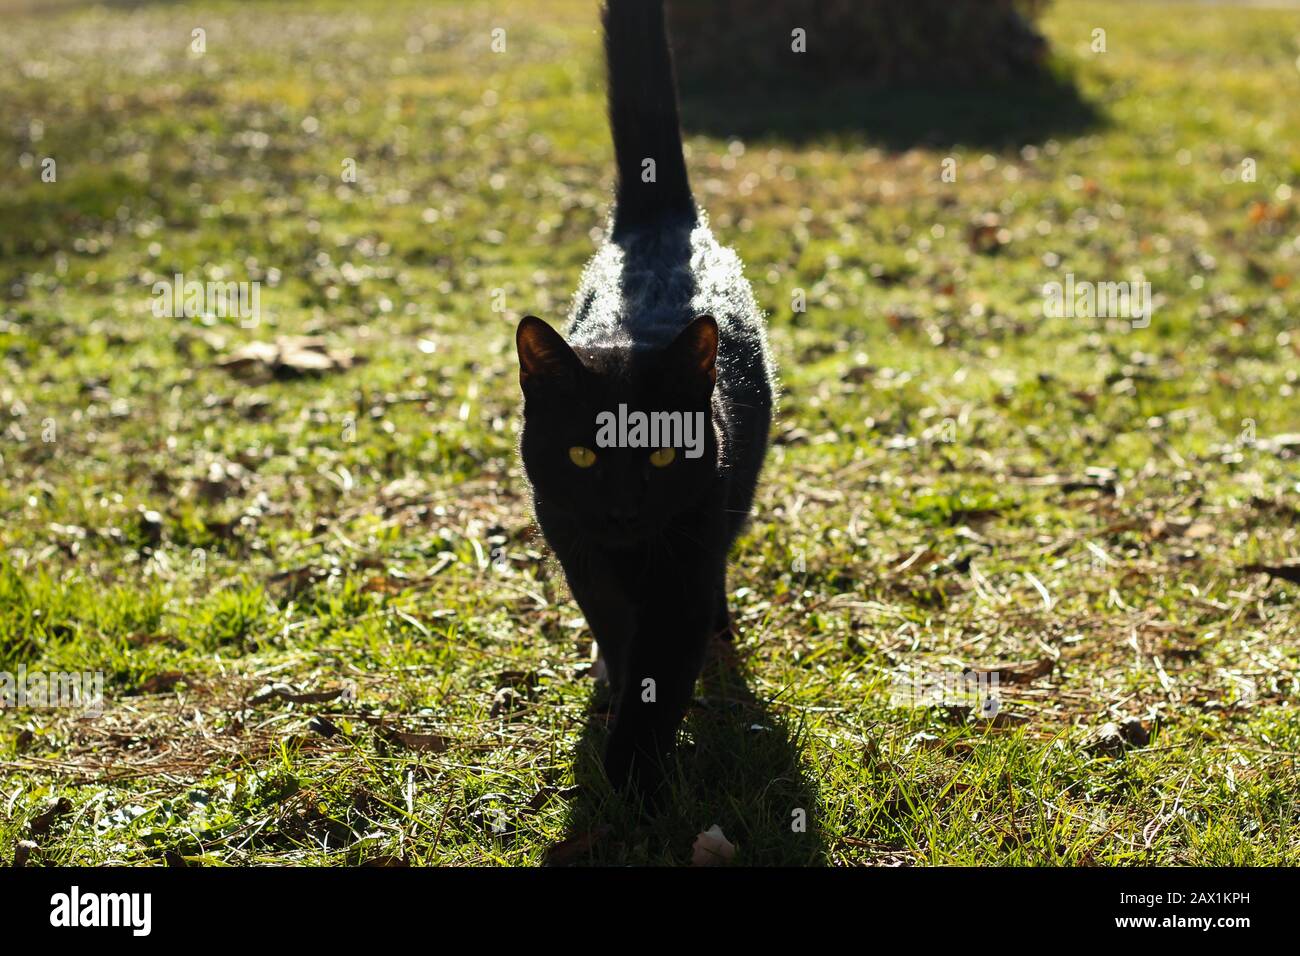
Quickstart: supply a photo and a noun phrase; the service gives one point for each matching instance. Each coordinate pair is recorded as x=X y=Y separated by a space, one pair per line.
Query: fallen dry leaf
x=570 y=850
x=286 y=693
x=23 y=850
x=712 y=848
x=161 y=682
x=1107 y=740
x=323 y=726
x=1113 y=738
x=42 y=822
x=432 y=743
x=289 y=356
x=1021 y=672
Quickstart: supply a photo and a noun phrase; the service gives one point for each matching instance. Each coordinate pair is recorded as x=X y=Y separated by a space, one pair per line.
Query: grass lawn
x=329 y=631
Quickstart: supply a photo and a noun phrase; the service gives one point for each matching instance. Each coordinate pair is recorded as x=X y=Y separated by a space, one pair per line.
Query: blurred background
x=260 y=266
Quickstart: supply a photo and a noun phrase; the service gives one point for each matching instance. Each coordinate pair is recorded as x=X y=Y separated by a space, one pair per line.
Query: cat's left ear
x=694 y=352
x=544 y=356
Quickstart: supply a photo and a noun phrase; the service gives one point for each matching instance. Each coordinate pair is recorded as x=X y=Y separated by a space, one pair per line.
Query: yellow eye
x=663 y=457
x=582 y=457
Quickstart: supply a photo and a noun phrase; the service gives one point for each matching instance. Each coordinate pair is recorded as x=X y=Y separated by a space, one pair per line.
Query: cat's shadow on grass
x=739 y=766
x=995 y=116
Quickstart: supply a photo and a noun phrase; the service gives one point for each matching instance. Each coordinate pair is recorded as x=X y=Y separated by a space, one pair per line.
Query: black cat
x=663 y=321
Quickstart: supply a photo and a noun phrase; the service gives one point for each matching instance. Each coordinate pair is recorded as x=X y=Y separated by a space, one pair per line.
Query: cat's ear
x=544 y=356
x=694 y=353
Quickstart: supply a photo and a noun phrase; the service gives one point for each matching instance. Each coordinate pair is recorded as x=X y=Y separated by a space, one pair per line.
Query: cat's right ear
x=544 y=356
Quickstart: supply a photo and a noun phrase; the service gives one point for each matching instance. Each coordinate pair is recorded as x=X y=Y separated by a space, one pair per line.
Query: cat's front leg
x=664 y=659
x=612 y=622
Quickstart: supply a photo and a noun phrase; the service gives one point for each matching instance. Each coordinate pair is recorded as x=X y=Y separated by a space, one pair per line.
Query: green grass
x=345 y=532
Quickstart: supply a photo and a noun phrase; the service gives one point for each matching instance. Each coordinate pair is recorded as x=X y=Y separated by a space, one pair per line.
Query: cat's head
x=582 y=407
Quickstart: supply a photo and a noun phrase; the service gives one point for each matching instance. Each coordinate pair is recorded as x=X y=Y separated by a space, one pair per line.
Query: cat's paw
x=637 y=774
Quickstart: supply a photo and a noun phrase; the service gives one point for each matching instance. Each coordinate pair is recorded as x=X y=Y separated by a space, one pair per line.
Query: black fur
x=643 y=116
x=663 y=320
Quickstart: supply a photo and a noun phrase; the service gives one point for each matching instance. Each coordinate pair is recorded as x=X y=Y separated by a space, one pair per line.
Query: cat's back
x=645 y=288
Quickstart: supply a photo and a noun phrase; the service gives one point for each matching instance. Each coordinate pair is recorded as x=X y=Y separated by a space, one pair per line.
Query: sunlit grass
x=955 y=481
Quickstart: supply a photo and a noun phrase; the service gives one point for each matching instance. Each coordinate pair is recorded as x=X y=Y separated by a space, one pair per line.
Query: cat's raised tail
x=652 y=183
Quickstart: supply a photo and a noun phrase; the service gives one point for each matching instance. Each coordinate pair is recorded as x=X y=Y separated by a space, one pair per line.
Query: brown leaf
x=287 y=693
x=432 y=743
x=42 y=822
x=381 y=584
x=1135 y=732
x=313 y=696
x=792 y=436
x=506 y=702
x=919 y=559
x=299 y=578
x=1107 y=740
x=161 y=682
x=223 y=480
x=520 y=680
x=23 y=850
x=323 y=726
x=569 y=851
x=143 y=640
x=1114 y=738
x=287 y=357
x=1021 y=672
